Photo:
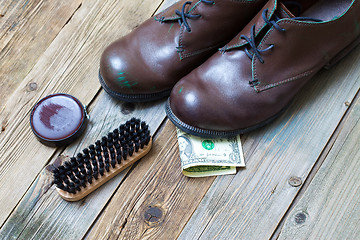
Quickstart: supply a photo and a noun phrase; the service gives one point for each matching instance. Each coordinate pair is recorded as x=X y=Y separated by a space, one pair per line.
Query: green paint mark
x=125 y=84
x=171 y=27
x=153 y=88
x=181 y=89
x=208 y=145
x=357 y=26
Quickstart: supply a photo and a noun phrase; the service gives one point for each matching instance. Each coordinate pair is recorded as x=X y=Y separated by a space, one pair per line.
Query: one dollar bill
x=209 y=157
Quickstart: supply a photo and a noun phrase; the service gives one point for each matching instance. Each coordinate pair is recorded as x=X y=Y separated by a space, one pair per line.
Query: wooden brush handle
x=106 y=177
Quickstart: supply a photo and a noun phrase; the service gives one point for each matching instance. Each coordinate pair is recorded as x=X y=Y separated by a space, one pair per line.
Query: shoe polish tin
x=58 y=119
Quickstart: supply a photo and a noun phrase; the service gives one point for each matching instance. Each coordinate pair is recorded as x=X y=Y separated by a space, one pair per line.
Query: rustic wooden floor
x=302 y=179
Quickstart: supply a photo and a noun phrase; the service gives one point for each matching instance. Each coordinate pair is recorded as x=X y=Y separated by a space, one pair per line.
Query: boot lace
x=184 y=16
x=254 y=50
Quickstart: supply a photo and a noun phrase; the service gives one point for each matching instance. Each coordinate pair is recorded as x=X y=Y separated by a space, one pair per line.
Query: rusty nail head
x=295 y=181
x=300 y=218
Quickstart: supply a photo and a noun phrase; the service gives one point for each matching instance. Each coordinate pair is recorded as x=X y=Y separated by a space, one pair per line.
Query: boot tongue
x=282 y=12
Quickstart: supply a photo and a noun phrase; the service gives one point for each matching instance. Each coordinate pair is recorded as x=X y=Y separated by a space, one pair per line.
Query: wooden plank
x=69 y=65
x=329 y=208
x=42 y=212
x=251 y=204
x=156 y=199
x=27 y=29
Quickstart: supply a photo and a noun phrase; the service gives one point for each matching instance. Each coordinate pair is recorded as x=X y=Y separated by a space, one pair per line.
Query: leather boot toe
x=145 y=64
x=253 y=78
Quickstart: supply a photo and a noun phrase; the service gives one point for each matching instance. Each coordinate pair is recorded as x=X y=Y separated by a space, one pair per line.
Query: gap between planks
x=329 y=208
x=317 y=166
x=28 y=28
x=156 y=135
x=65 y=64
x=157 y=189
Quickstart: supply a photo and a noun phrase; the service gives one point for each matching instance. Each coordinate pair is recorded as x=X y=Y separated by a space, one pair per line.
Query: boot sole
x=213 y=133
x=133 y=97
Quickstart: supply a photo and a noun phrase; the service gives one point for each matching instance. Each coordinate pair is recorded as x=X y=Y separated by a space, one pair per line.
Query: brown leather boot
x=147 y=63
x=254 y=77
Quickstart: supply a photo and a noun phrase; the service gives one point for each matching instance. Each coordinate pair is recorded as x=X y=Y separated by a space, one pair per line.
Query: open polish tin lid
x=58 y=119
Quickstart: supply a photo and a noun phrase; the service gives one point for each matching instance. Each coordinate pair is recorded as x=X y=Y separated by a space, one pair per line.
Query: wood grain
x=252 y=203
x=69 y=65
x=156 y=199
x=42 y=212
x=330 y=207
x=27 y=28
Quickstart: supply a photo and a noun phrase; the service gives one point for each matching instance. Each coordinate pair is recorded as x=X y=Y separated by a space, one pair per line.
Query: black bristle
x=86 y=152
x=83 y=171
x=72 y=188
x=72 y=177
x=66 y=181
x=142 y=143
x=110 y=136
x=73 y=161
x=67 y=165
x=137 y=145
x=61 y=186
x=131 y=150
x=83 y=182
x=116 y=132
x=118 y=158
x=57 y=180
x=113 y=162
x=77 y=187
x=147 y=140
x=95 y=175
x=124 y=154
x=121 y=138
x=101 y=165
x=92 y=162
x=110 y=146
x=80 y=162
x=117 y=147
x=92 y=152
x=98 y=148
x=89 y=179
x=55 y=170
x=78 y=175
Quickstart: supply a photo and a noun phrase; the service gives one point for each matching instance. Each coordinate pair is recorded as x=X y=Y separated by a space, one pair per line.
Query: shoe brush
x=79 y=176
